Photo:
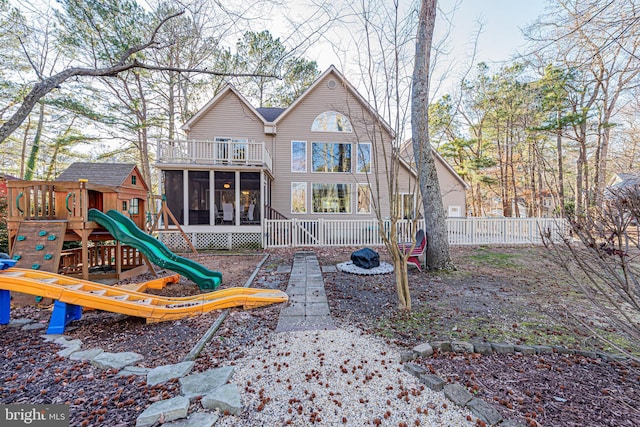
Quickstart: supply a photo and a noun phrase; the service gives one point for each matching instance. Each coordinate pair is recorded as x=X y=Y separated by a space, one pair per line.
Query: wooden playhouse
x=42 y=215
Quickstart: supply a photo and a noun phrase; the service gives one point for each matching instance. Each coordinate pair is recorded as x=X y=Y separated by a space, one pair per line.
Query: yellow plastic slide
x=118 y=300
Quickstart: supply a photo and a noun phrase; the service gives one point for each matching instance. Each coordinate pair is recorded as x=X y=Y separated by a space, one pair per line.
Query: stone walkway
x=307 y=308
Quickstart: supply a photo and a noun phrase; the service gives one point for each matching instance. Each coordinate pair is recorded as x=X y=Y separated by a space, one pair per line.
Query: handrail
x=20 y=195
x=66 y=201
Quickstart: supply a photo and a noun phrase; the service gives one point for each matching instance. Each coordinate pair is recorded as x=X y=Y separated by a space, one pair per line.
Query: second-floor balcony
x=206 y=152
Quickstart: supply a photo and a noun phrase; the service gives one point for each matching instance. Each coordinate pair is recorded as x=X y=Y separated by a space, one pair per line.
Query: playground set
x=104 y=202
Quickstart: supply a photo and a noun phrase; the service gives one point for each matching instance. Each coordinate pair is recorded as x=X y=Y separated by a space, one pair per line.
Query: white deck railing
x=248 y=153
x=462 y=231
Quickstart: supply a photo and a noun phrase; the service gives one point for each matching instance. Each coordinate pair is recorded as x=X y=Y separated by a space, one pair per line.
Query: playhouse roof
x=111 y=174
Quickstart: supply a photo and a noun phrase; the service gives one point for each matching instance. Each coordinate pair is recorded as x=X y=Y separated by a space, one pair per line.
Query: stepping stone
x=423 y=350
x=457 y=394
x=225 y=398
x=68 y=351
x=169 y=410
x=165 y=373
x=86 y=354
x=33 y=326
x=484 y=411
x=133 y=370
x=461 y=347
x=63 y=341
x=116 y=360
x=52 y=337
x=195 y=385
x=19 y=323
x=197 y=419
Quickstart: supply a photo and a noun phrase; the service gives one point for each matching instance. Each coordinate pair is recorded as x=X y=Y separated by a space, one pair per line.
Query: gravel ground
x=338 y=377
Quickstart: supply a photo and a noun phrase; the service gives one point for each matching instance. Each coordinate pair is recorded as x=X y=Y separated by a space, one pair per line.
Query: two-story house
x=325 y=156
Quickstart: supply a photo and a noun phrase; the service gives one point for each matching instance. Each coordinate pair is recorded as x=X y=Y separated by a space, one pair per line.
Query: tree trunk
x=560 y=166
x=438 y=256
x=35 y=148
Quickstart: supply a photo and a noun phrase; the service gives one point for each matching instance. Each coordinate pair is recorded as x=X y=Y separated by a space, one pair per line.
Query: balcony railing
x=238 y=153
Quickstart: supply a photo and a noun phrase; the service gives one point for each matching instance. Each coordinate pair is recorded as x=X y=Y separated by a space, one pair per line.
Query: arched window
x=331 y=121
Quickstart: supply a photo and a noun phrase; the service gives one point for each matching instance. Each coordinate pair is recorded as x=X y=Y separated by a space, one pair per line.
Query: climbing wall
x=38 y=244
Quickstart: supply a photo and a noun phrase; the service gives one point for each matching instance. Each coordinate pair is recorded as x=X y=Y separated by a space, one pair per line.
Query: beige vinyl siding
x=230 y=117
x=452 y=191
x=296 y=126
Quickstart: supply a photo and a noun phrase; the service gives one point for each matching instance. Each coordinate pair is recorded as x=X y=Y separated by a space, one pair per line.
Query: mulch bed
x=554 y=390
x=548 y=390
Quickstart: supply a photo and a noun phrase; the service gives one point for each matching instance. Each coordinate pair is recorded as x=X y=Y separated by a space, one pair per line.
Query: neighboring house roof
x=8 y=177
x=333 y=70
x=111 y=174
x=622 y=181
x=220 y=95
x=406 y=154
x=270 y=114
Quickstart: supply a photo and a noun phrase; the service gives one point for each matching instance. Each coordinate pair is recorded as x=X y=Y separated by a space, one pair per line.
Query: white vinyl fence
x=462 y=231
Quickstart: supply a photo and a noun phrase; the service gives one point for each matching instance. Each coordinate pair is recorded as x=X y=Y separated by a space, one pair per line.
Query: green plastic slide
x=125 y=230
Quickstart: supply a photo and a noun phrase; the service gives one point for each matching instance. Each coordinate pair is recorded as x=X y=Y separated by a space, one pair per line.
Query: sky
x=500 y=39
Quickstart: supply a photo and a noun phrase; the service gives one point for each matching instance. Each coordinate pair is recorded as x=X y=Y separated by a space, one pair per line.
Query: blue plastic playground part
x=39 y=247
x=63 y=313
x=17 y=257
x=5 y=306
x=35 y=266
x=7 y=263
x=42 y=233
x=51 y=237
x=21 y=238
x=47 y=257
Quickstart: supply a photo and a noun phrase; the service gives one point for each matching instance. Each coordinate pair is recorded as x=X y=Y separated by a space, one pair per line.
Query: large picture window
x=331 y=198
x=364 y=158
x=298 y=197
x=330 y=157
x=298 y=156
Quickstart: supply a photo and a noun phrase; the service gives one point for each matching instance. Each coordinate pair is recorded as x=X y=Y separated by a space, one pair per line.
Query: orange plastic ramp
x=108 y=298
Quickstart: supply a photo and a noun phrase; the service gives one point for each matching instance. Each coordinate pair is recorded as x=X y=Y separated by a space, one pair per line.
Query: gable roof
x=406 y=154
x=350 y=88
x=270 y=113
x=220 y=95
x=111 y=174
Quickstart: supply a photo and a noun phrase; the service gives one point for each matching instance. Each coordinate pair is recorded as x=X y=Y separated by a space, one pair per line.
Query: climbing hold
x=42 y=233
x=21 y=238
x=51 y=237
x=17 y=257
x=38 y=299
x=35 y=266
x=47 y=257
x=39 y=247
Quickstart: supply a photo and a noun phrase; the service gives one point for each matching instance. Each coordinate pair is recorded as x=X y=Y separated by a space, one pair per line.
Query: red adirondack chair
x=418 y=250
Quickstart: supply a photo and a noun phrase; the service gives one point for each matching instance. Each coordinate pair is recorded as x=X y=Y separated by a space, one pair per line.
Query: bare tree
x=438 y=256
x=603 y=261
x=124 y=60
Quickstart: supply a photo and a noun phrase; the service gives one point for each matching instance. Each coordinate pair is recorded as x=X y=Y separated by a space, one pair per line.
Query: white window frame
x=454 y=211
x=368 y=187
x=350 y=204
x=325 y=121
x=363 y=144
x=293 y=188
x=350 y=145
x=305 y=157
